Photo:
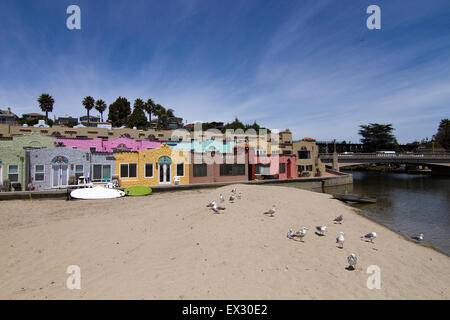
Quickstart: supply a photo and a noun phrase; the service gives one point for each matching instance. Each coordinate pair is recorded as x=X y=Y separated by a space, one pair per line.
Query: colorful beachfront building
x=274 y=166
x=212 y=166
x=204 y=146
x=52 y=168
x=15 y=157
x=152 y=167
x=308 y=161
x=108 y=145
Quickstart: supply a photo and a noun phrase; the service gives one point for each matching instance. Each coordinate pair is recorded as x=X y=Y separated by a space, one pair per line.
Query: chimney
x=9 y=110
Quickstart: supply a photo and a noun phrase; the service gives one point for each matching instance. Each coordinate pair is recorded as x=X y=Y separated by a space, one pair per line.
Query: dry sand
x=170 y=246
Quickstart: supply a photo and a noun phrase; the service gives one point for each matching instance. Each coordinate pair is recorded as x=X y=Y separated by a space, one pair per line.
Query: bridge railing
x=442 y=156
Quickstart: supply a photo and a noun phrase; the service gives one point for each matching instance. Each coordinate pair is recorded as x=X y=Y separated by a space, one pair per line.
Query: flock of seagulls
x=351 y=259
x=216 y=208
x=321 y=230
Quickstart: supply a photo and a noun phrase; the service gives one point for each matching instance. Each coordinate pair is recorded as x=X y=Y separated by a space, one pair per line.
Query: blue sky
x=310 y=66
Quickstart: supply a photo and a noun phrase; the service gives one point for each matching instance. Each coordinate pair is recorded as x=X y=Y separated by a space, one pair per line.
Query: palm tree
x=150 y=107
x=88 y=103
x=139 y=104
x=170 y=113
x=161 y=114
x=100 y=106
x=46 y=103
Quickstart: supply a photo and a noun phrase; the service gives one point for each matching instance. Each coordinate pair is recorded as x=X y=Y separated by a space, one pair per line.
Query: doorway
x=164 y=173
x=59 y=175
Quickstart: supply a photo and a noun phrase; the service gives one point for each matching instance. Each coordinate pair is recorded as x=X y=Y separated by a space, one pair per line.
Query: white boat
x=98 y=192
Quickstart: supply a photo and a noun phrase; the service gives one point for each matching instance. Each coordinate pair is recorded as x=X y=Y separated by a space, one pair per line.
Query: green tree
x=150 y=108
x=88 y=103
x=236 y=124
x=100 y=106
x=378 y=137
x=161 y=115
x=137 y=118
x=119 y=111
x=46 y=104
x=443 y=134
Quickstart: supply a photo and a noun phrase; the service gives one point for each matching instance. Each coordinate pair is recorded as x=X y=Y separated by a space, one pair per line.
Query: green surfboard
x=137 y=191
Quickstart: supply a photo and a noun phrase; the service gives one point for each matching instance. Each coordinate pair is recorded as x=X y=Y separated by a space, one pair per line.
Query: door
x=288 y=169
x=164 y=173
x=59 y=174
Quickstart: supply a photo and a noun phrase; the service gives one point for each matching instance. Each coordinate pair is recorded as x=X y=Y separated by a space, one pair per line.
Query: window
x=128 y=170
x=300 y=168
x=304 y=154
x=200 y=170
x=309 y=167
x=101 y=172
x=232 y=169
x=180 y=169
x=282 y=167
x=79 y=170
x=149 y=170
x=39 y=173
x=13 y=173
x=263 y=169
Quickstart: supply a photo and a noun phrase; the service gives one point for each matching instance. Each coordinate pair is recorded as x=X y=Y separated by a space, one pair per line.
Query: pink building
x=127 y=144
x=110 y=145
x=281 y=166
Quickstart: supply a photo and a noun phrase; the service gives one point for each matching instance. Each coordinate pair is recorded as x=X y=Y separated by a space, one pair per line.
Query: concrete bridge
x=439 y=163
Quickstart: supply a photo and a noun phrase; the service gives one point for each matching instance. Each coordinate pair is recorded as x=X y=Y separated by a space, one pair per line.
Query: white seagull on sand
x=290 y=234
x=301 y=233
x=419 y=237
x=232 y=197
x=340 y=239
x=212 y=203
x=217 y=208
x=321 y=230
x=339 y=219
x=239 y=195
x=369 y=236
x=271 y=212
x=352 y=261
x=233 y=190
x=221 y=198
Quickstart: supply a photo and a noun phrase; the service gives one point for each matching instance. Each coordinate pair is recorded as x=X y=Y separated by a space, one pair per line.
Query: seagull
x=233 y=190
x=271 y=211
x=321 y=229
x=370 y=236
x=301 y=233
x=239 y=195
x=352 y=261
x=232 y=197
x=290 y=234
x=221 y=198
x=340 y=240
x=339 y=219
x=212 y=203
x=419 y=237
x=217 y=208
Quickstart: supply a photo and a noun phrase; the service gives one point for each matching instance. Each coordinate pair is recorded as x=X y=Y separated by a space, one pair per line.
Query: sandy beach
x=171 y=246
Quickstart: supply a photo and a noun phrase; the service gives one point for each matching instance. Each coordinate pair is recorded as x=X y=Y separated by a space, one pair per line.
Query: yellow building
x=152 y=167
x=308 y=161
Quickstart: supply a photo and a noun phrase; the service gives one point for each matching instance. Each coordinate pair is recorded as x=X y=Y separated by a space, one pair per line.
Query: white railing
x=443 y=156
